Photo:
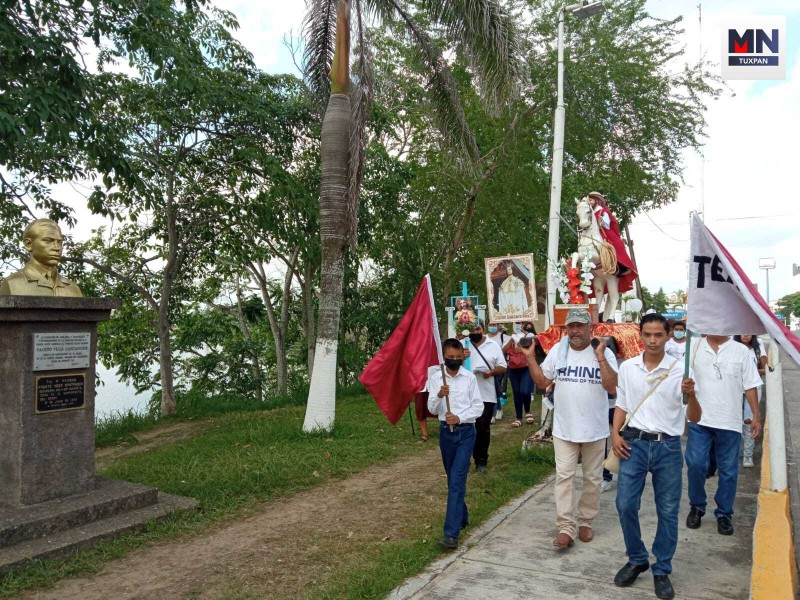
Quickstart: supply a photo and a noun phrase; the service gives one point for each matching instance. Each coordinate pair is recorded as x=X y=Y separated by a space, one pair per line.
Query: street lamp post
x=767 y=264
x=581 y=10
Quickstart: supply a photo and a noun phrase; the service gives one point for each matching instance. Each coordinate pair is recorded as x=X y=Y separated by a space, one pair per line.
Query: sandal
x=529 y=419
x=423 y=438
x=517 y=423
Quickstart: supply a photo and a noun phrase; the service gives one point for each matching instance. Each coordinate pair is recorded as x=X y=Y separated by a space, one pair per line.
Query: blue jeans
x=664 y=460
x=697 y=458
x=456 y=450
x=522 y=385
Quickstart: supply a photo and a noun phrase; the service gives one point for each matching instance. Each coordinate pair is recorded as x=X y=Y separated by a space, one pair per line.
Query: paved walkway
x=512 y=555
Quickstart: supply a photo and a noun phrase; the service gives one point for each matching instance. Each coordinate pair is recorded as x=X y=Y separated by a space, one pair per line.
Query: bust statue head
x=40 y=277
x=43 y=239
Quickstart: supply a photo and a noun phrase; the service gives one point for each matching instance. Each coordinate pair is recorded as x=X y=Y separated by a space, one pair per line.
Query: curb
x=419 y=582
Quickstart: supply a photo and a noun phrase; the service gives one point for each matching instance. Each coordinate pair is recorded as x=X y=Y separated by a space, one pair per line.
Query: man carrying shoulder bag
x=649 y=420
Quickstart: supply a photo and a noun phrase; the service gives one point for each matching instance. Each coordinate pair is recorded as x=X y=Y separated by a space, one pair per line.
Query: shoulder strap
x=483 y=357
x=657 y=383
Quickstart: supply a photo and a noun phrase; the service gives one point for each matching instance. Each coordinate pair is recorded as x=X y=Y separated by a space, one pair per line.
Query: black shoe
x=693 y=520
x=663 y=587
x=628 y=574
x=724 y=526
x=448 y=542
x=481 y=469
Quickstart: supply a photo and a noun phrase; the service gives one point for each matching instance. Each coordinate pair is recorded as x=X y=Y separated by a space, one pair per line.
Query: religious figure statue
x=511 y=297
x=40 y=277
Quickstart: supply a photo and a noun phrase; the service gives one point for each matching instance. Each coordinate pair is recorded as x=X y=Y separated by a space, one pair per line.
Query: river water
x=116 y=396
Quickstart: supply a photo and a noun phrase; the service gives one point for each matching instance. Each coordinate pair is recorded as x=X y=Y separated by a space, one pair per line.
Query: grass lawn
x=236 y=462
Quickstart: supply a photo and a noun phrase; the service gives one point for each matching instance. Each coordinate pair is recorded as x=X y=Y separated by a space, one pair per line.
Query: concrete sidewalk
x=513 y=557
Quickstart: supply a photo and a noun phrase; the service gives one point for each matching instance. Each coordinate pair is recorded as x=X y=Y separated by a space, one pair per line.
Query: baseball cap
x=577 y=315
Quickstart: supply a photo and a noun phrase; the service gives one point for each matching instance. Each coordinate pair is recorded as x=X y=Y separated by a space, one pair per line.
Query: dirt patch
x=147 y=440
x=290 y=547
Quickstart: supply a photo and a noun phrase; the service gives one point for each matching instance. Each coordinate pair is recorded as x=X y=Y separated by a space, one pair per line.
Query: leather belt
x=633 y=432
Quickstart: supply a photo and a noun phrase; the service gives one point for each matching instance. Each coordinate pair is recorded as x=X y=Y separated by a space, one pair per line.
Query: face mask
x=679 y=335
x=475 y=337
x=454 y=364
x=492 y=329
x=517 y=328
x=529 y=329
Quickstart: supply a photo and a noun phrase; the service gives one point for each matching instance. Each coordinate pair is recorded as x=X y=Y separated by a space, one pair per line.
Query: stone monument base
x=58 y=527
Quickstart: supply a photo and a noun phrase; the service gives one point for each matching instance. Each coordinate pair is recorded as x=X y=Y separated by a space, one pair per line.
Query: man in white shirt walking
x=724 y=371
x=466 y=405
x=583 y=376
x=487 y=362
x=651 y=443
x=676 y=346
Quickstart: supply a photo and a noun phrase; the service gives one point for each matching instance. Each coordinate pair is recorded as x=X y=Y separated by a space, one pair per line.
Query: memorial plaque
x=56 y=351
x=55 y=393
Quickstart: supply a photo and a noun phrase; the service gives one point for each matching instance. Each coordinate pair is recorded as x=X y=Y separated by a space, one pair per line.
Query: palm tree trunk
x=334 y=229
x=333 y=232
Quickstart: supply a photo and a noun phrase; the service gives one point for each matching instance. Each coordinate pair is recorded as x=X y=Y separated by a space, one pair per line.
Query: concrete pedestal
x=50 y=500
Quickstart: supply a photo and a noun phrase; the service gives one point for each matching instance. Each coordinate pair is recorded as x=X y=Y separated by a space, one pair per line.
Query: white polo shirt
x=494 y=357
x=663 y=411
x=721 y=386
x=581 y=402
x=465 y=398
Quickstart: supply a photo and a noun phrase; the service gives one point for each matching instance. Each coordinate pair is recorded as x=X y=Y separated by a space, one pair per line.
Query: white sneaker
x=606 y=485
x=492 y=421
x=748 y=462
x=499 y=415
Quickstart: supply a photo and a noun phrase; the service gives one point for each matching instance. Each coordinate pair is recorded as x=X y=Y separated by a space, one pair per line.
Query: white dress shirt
x=465 y=397
x=493 y=354
x=722 y=377
x=663 y=411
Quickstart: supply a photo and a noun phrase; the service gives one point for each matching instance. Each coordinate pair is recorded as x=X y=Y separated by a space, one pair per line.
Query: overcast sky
x=750 y=154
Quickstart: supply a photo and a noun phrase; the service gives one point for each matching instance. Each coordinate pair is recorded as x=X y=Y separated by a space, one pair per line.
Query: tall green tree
x=48 y=127
x=482 y=30
x=198 y=146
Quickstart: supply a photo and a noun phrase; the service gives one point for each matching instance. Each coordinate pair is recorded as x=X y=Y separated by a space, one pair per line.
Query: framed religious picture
x=464 y=313
x=511 y=288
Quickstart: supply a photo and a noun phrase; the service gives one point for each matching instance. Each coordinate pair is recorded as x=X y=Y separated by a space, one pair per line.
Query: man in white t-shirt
x=676 y=346
x=723 y=370
x=583 y=377
x=486 y=362
x=651 y=443
x=497 y=334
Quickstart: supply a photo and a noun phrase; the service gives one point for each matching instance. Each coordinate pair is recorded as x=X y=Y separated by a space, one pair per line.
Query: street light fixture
x=581 y=10
x=767 y=264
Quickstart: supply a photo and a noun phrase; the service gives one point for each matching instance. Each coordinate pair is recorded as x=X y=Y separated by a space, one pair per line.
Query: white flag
x=722 y=300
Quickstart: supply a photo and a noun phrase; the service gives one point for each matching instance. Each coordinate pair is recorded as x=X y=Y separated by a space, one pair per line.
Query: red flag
x=400 y=368
x=723 y=300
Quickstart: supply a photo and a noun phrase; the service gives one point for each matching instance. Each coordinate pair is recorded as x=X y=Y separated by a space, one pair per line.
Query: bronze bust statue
x=40 y=277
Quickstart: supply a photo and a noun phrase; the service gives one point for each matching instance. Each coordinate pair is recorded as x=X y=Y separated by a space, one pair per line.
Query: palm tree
x=485 y=34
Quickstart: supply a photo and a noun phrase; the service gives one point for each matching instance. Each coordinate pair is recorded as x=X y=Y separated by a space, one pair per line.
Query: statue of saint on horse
x=600 y=242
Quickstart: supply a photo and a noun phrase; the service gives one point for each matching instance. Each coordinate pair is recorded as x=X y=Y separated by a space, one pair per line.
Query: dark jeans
x=712 y=459
x=664 y=461
x=697 y=458
x=482 y=435
x=522 y=386
x=456 y=450
x=608 y=475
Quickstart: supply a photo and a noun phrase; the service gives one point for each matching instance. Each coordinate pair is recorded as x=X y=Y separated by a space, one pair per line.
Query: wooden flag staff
x=446 y=398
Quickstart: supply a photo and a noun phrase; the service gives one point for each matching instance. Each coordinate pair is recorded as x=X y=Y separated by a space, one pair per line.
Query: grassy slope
x=237 y=461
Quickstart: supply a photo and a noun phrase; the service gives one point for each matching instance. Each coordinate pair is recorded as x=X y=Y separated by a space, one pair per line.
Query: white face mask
x=679 y=335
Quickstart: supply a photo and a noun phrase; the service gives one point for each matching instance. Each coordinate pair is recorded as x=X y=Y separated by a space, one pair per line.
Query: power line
x=662 y=231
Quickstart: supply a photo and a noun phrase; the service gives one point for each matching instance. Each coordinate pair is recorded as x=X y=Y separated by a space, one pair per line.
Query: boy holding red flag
x=457 y=417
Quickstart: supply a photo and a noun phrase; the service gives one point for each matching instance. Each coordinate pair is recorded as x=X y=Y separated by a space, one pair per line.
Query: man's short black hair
x=681 y=323
x=654 y=318
x=451 y=343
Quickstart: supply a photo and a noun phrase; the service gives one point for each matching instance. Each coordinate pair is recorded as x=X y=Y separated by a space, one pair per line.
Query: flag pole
x=446 y=398
x=686 y=360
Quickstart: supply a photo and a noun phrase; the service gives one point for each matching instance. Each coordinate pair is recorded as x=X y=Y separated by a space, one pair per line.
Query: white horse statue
x=592 y=247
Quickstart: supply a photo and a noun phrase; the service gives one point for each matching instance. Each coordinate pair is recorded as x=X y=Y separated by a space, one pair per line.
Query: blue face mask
x=679 y=335
x=492 y=329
